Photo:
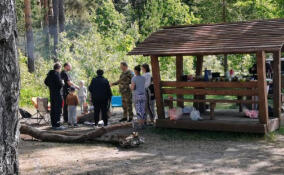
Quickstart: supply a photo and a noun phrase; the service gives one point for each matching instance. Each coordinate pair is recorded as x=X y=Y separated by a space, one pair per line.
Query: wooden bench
x=212 y=103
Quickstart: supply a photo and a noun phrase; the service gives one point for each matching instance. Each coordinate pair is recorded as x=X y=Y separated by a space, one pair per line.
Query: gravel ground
x=157 y=155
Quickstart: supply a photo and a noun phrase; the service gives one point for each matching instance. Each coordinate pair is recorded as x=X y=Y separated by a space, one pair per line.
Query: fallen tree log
x=89 y=117
x=100 y=135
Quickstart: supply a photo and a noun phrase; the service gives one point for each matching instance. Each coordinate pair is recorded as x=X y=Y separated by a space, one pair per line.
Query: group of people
x=137 y=87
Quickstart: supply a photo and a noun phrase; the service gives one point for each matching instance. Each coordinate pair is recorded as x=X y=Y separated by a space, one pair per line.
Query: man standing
x=124 y=88
x=101 y=96
x=54 y=82
x=67 y=84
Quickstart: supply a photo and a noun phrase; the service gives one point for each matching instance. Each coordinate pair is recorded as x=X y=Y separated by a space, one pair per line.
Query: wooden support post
x=179 y=74
x=277 y=84
x=157 y=87
x=212 y=108
x=262 y=88
x=199 y=65
x=240 y=104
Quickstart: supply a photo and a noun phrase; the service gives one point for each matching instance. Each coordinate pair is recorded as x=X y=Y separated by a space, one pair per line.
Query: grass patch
x=178 y=134
x=273 y=135
x=280 y=131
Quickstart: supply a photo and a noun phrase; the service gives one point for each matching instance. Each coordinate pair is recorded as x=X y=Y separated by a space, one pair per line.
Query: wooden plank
x=179 y=74
x=262 y=88
x=277 y=84
x=213 y=125
x=216 y=101
x=238 y=92
x=250 y=84
x=157 y=86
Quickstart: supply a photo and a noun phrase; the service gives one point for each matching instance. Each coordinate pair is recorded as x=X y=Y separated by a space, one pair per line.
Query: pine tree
x=9 y=89
x=29 y=36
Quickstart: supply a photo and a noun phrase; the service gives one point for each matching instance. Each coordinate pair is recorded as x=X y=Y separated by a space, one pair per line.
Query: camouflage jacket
x=124 y=82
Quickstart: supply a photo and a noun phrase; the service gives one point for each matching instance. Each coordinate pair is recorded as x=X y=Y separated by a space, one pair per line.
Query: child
x=82 y=93
x=72 y=102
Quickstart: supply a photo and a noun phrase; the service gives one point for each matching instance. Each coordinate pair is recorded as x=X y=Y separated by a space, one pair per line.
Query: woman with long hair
x=138 y=86
x=150 y=96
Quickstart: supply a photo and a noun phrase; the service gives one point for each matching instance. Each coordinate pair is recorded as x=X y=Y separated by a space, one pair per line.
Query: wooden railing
x=201 y=84
x=210 y=88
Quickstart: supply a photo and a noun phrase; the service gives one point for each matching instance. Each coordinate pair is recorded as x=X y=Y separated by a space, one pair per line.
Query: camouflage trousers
x=127 y=105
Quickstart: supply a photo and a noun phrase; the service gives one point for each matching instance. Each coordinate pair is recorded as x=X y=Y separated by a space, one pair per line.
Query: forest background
x=93 y=34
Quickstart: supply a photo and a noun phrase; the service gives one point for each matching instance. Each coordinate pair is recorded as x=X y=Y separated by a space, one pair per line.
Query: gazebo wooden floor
x=225 y=120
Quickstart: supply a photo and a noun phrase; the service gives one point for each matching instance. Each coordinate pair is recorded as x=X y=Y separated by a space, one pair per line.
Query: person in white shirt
x=82 y=94
x=150 y=102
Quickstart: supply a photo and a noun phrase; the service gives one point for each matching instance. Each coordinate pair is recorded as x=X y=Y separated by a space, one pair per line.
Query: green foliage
x=280 y=131
x=240 y=63
x=109 y=21
x=32 y=85
x=158 y=13
x=100 y=33
x=235 y=10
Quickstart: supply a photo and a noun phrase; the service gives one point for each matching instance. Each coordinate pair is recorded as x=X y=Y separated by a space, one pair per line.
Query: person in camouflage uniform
x=124 y=88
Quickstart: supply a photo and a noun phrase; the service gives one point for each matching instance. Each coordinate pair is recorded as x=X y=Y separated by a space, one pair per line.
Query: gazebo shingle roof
x=240 y=37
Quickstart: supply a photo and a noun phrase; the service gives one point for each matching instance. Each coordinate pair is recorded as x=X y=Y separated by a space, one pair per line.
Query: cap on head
x=100 y=72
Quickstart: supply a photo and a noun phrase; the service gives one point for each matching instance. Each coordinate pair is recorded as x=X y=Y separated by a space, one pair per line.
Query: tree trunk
x=104 y=134
x=225 y=64
x=29 y=36
x=225 y=55
x=55 y=28
x=61 y=15
x=45 y=5
x=9 y=89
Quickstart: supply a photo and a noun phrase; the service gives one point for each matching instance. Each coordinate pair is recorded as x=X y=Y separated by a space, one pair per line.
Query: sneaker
x=150 y=123
x=123 y=120
x=130 y=120
x=59 y=128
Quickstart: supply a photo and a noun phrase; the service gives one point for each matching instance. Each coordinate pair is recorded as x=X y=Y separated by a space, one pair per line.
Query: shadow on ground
x=164 y=152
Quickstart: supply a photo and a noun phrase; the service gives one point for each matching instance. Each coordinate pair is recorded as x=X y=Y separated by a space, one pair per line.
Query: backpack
x=47 y=80
x=152 y=91
x=24 y=113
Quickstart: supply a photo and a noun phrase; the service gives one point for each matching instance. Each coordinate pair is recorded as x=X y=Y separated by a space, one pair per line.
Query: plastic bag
x=175 y=113
x=195 y=115
x=251 y=113
x=187 y=110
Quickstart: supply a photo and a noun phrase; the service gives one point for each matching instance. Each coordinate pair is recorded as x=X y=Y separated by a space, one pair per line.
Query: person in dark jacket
x=55 y=84
x=101 y=96
x=65 y=76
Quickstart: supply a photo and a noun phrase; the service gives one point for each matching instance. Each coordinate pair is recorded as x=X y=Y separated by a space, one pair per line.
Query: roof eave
x=213 y=52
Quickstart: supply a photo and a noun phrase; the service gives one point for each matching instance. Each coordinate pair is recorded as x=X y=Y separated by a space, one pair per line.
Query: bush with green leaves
x=32 y=84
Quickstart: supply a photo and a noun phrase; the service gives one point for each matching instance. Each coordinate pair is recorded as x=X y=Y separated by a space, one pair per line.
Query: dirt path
x=159 y=155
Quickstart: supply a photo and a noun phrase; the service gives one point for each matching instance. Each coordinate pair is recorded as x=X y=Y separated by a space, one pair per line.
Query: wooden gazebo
x=256 y=37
